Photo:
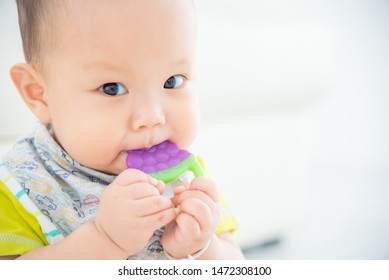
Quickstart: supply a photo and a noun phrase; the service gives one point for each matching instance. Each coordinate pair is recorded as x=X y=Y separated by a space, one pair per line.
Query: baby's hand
x=196 y=221
x=132 y=208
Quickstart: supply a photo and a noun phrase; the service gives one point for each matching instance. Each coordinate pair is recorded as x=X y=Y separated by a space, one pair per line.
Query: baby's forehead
x=51 y=26
x=146 y=22
x=123 y=37
x=125 y=15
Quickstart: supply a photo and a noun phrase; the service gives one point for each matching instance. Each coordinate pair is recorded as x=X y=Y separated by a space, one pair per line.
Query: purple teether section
x=158 y=158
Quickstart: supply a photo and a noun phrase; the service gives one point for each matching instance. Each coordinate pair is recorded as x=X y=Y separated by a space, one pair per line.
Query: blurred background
x=295 y=99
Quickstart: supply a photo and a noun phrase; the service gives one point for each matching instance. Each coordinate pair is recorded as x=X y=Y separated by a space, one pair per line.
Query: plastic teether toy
x=165 y=162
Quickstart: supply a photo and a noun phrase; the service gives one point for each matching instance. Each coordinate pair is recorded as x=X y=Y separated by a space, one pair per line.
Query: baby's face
x=122 y=79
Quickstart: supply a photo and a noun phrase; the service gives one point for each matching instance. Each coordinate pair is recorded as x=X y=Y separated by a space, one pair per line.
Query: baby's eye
x=174 y=82
x=113 y=89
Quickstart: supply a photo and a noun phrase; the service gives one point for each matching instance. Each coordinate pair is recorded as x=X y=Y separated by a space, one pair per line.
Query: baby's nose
x=147 y=114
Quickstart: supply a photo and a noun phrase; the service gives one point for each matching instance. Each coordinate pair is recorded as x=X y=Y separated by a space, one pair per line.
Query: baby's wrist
x=106 y=243
x=192 y=256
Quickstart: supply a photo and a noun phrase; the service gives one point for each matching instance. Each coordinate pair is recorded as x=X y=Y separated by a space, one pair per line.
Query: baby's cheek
x=185 y=124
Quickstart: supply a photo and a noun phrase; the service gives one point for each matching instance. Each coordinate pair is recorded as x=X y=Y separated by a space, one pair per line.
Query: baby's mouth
x=150 y=147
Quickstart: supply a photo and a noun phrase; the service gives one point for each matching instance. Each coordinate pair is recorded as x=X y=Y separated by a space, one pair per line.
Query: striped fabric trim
x=51 y=232
x=22 y=240
x=20 y=193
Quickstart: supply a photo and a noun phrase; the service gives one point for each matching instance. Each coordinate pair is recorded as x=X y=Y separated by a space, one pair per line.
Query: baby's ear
x=30 y=86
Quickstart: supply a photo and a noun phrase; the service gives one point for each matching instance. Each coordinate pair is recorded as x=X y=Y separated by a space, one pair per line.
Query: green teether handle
x=189 y=164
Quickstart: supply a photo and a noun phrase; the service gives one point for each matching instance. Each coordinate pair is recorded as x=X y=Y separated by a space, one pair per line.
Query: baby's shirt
x=20 y=232
x=45 y=195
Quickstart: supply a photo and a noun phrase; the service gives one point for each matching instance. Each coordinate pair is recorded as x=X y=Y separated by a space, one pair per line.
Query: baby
x=105 y=78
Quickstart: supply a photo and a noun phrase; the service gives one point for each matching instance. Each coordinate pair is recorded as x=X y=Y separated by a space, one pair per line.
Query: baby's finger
x=152 y=205
x=140 y=191
x=188 y=226
x=199 y=210
x=181 y=188
x=159 y=185
x=189 y=194
x=158 y=220
x=131 y=176
x=205 y=185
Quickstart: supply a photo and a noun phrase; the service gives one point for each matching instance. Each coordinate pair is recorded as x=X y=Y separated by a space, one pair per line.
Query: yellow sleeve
x=20 y=232
x=227 y=221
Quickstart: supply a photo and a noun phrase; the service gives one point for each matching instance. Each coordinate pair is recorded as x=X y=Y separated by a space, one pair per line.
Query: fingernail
x=154 y=181
x=181 y=186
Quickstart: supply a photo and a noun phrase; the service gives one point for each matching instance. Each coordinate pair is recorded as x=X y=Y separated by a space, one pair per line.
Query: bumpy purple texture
x=158 y=158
